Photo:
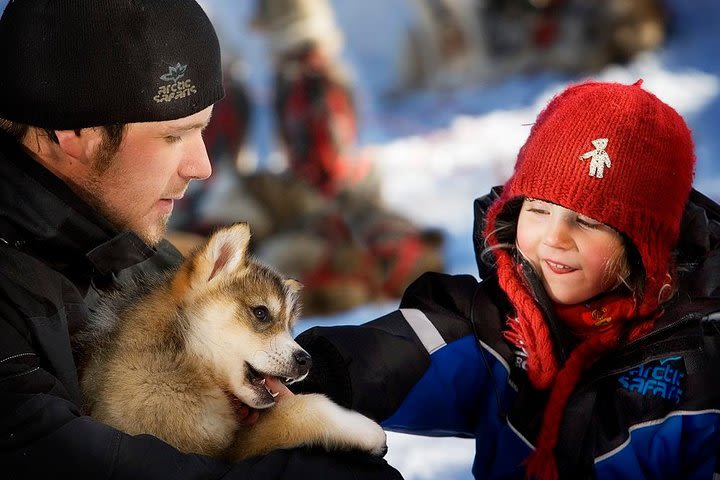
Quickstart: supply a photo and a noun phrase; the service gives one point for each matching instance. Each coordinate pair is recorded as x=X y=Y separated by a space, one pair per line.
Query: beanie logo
x=599 y=159
x=178 y=89
x=175 y=73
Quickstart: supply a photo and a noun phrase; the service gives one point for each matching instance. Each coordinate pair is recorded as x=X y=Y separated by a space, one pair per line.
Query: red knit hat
x=619 y=155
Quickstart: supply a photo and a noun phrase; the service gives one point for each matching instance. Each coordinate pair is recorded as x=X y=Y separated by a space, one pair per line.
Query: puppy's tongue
x=276 y=387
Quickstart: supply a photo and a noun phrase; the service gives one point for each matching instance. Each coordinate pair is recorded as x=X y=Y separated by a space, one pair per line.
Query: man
x=102 y=106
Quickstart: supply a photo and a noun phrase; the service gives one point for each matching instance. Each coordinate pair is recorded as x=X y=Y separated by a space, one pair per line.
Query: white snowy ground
x=437 y=151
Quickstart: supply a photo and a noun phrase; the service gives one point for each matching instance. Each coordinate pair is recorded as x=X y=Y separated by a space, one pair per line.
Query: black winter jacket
x=56 y=254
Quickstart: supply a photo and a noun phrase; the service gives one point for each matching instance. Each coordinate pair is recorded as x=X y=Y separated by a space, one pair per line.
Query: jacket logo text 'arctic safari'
x=663 y=378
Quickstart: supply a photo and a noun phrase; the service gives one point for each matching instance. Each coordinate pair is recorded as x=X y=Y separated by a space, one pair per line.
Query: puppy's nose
x=303 y=360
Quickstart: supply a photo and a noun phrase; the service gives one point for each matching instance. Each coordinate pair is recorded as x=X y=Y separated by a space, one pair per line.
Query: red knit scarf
x=599 y=325
x=590 y=318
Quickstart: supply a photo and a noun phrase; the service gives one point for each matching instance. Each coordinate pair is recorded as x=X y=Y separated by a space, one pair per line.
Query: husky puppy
x=175 y=355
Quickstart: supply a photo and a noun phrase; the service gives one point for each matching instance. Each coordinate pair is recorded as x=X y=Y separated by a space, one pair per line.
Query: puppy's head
x=239 y=316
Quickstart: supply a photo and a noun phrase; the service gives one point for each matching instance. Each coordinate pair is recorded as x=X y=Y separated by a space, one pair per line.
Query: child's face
x=571 y=253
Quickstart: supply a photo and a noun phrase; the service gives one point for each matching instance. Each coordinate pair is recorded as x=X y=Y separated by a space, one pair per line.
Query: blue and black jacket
x=440 y=366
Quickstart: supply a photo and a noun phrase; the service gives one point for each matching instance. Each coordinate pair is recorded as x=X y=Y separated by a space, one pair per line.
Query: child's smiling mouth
x=559 y=268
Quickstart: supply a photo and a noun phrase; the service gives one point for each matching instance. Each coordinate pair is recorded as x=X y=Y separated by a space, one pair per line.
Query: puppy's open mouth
x=266 y=386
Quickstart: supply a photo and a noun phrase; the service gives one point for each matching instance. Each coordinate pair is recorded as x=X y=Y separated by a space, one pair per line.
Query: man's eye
x=172 y=139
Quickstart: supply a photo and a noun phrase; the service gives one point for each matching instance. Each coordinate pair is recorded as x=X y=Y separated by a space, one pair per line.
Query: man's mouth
x=172 y=198
x=175 y=196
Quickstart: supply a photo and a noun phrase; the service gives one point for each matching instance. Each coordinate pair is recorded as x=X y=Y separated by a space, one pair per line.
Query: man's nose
x=196 y=163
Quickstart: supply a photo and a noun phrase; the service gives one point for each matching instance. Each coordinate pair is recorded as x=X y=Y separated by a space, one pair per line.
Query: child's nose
x=557 y=234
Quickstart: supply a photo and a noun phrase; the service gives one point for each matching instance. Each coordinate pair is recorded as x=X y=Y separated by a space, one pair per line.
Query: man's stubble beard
x=92 y=194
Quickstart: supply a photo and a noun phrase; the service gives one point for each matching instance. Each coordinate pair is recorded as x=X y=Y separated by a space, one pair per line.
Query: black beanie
x=70 y=64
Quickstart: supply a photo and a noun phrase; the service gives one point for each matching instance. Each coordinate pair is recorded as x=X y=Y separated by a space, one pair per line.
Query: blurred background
x=355 y=134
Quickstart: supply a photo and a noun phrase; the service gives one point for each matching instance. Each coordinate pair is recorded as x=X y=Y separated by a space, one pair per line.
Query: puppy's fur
x=174 y=356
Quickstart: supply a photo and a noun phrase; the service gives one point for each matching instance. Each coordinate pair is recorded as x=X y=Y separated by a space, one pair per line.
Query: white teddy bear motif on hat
x=599 y=159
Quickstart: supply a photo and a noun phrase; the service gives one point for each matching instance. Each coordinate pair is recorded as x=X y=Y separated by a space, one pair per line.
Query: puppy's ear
x=293 y=285
x=223 y=255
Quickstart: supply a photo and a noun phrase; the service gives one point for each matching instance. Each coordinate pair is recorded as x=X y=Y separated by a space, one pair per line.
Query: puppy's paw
x=314 y=419
x=365 y=434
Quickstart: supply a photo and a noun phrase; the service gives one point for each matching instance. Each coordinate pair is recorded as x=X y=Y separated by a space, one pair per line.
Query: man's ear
x=80 y=144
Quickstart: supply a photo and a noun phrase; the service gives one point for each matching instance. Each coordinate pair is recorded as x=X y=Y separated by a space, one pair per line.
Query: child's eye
x=588 y=223
x=539 y=211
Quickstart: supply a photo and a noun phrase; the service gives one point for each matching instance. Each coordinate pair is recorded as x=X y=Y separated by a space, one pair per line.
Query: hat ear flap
x=528 y=331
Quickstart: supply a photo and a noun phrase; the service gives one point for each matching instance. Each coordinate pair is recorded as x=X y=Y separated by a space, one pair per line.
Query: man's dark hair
x=113 y=137
x=14 y=129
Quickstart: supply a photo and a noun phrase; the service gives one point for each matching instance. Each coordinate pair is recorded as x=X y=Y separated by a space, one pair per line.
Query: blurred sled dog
x=175 y=355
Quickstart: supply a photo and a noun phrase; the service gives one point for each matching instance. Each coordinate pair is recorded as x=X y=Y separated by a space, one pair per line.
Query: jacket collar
x=40 y=214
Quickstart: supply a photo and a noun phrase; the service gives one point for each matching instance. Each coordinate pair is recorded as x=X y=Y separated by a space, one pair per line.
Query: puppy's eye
x=261 y=313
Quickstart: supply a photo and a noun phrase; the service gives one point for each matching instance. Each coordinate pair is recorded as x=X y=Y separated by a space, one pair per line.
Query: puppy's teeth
x=274 y=394
x=262 y=382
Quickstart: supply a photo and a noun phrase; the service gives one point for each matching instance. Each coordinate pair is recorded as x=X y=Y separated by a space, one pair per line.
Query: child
x=590 y=348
